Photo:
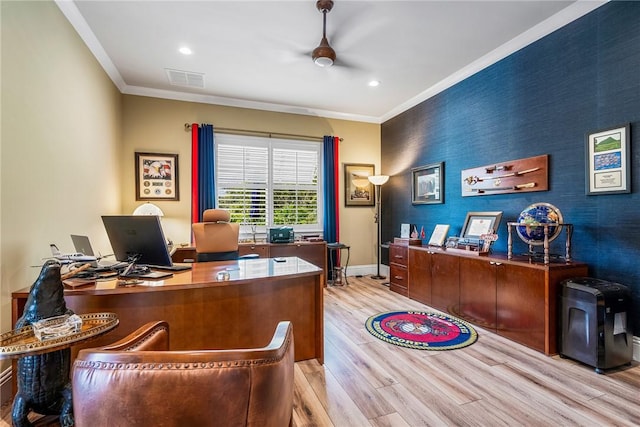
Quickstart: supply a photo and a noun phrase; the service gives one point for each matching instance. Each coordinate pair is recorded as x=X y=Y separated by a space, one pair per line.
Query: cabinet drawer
x=398 y=254
x=398 y=280
x=248 y=248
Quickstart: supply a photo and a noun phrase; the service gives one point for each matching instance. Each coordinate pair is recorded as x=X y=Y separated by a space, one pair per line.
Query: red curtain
x=195 y=209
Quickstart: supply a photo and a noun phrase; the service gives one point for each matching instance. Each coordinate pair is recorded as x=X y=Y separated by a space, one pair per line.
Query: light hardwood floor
x=494 y=382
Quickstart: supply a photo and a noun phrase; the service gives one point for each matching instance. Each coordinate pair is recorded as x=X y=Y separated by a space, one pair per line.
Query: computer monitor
x=137 y=235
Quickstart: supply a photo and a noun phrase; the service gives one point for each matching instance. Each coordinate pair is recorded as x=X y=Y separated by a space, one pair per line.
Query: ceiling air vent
x=185 y=78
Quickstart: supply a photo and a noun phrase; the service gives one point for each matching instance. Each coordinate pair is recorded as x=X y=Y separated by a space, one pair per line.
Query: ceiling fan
x=324 y=55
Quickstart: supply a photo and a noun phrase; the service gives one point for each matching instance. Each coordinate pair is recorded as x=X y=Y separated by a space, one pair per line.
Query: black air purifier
x=595 y=327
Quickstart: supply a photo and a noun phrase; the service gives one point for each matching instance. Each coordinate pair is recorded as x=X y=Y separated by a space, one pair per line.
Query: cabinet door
x=478 y=292
x=419 y=266
x=445 y=289
x=521 y=305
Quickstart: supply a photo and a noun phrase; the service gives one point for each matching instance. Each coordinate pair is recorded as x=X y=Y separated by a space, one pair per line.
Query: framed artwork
x=358 y=191
x=608 y=169
x=156 y=176
x=478 y=223
x=427 y=184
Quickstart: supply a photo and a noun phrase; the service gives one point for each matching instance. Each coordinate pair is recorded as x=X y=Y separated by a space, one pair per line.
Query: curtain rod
x=187 y=128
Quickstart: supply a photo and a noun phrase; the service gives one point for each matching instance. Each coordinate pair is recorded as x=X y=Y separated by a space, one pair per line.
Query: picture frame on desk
x=358 y=191
x=607 y=161
x=156 y=176
x=427 y=184
x=439 y=235
x=478 y=223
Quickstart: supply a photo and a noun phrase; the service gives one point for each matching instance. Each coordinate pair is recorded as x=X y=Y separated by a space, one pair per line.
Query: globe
x=539 y=213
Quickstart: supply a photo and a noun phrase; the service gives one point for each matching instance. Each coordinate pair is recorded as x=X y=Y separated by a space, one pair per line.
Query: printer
x=281 y=235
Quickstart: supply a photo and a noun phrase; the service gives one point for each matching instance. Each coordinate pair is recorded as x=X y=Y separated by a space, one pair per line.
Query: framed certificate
x=478 y=223
x=608 y=170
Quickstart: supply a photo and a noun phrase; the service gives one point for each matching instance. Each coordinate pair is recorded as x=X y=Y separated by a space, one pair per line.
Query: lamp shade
x=378 y=179
x=148 y=209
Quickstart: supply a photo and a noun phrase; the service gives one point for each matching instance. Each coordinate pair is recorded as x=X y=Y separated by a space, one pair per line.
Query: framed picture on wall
x=358 y=191
x=427 y=184
x=608 y=169
x=157 y=176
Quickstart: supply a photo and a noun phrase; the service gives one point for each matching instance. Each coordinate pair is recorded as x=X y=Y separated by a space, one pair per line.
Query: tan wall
x=61 y=121
x=157 y=125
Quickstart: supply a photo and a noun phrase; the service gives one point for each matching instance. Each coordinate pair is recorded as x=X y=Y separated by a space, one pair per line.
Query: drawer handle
x=398 y=277
x=398 y=256
x=495 y=263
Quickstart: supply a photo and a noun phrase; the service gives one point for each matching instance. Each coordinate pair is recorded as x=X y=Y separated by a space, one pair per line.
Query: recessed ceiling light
x=374 y=83
x=185 y=51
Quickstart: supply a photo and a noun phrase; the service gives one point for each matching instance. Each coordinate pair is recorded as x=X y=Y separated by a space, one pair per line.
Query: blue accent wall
x=543 y=99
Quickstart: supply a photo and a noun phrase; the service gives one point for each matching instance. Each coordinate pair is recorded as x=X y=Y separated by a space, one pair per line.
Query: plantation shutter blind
x=243 y=173
x=269 y=182
x=295 y=186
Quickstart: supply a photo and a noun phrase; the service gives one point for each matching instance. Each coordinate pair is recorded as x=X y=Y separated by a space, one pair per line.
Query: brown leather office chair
x=137 y=381
x=215 y=237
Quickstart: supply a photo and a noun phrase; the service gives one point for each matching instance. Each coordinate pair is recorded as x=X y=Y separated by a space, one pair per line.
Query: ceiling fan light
x=324 y=55
x=323 y=61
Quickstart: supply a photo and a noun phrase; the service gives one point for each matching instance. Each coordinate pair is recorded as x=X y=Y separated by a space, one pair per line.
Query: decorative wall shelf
x=513 y=176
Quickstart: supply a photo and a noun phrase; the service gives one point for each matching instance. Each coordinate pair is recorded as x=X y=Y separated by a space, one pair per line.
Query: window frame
x=271 y=144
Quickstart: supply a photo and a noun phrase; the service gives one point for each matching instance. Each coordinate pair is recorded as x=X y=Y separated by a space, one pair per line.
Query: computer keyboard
x=174 y=267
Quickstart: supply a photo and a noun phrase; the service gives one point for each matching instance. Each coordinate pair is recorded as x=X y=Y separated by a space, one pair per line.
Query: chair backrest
x=215 y=237
x=138 y=382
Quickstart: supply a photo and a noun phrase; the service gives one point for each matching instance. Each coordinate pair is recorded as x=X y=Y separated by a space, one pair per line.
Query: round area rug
x=421 y=330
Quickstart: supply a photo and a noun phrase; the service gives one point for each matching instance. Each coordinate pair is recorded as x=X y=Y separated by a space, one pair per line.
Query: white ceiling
x=257 y=54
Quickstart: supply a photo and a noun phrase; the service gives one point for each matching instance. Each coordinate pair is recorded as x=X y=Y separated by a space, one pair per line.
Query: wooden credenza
x=313 y=252
x=516 y=298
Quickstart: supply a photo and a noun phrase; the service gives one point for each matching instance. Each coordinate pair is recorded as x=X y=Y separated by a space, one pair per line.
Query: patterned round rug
x=421 y=330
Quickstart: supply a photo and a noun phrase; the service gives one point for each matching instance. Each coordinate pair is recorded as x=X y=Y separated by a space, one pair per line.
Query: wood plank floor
x=494 y=382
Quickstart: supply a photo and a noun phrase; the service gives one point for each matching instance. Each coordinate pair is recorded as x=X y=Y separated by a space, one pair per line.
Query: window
x=267 y=182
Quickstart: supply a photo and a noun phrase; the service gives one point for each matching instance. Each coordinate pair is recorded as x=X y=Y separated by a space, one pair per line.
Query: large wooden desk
x=204 y=313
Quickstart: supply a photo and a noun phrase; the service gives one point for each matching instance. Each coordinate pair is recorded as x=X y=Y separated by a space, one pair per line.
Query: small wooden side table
x=23 y=342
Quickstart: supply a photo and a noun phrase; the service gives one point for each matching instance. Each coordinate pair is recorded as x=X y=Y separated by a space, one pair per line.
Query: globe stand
x=545 y=243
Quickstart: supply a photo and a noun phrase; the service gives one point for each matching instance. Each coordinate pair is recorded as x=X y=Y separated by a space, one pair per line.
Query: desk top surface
x=204 y=274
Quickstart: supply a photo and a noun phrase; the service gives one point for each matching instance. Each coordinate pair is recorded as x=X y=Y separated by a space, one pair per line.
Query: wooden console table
x=205 y=313
x=516 y=298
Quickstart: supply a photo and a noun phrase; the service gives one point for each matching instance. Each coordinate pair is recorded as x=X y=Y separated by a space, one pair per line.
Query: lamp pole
x=378 y=181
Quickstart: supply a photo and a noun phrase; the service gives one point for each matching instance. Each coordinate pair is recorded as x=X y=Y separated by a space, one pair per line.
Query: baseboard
x=367 y=270
x=6 y=392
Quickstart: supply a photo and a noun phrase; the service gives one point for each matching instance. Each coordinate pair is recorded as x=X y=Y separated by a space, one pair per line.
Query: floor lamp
x=378 y=181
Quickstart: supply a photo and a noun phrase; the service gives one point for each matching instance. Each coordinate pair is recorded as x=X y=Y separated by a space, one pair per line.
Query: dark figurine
x=44 y=386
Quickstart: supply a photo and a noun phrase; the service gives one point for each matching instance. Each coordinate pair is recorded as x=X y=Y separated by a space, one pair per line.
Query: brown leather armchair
x=137 y=381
